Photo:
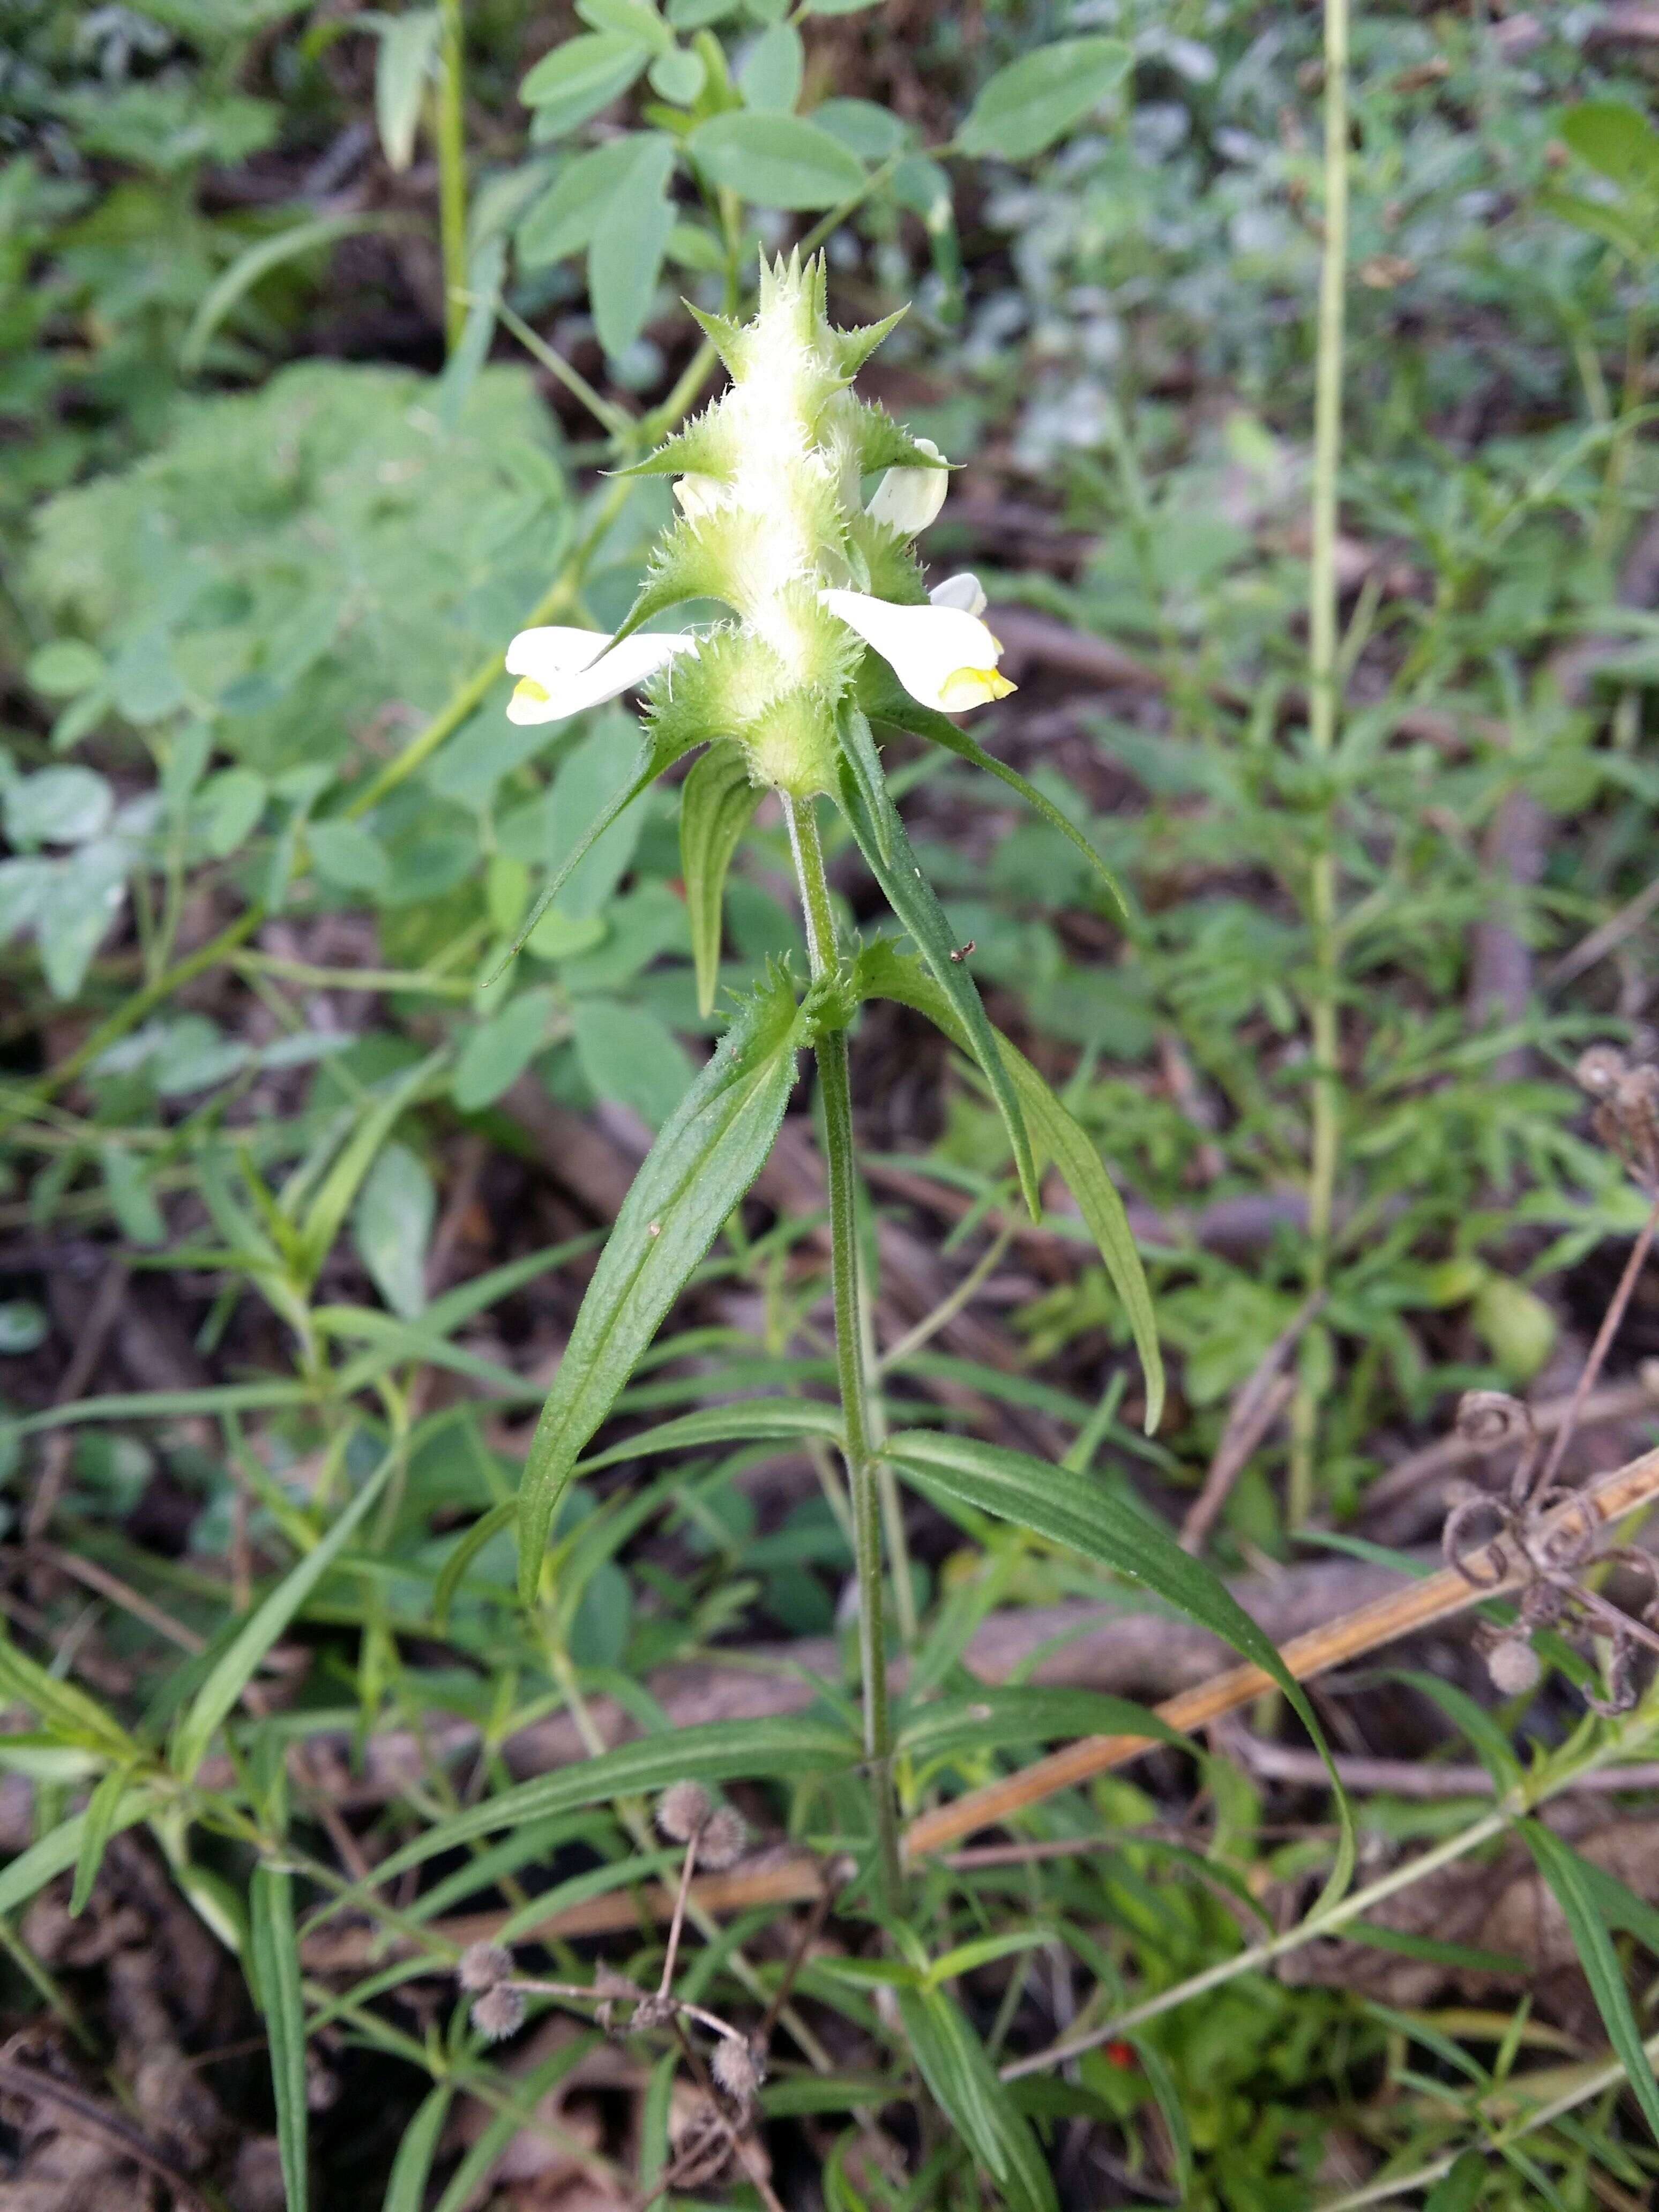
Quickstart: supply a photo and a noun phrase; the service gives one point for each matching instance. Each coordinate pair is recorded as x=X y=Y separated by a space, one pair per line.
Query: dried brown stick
x=1399 y=1613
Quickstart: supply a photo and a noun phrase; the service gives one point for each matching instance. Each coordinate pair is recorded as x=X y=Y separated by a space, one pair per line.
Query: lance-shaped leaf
x=233 y=1669
x=1581 y=1900
x=965 y=2086
x=710 y=1149
x=275 y=1959
x=786 y=1749
x=1076 y=1509
x=887 y=703
x=655 y=757
x=716 y=806
x=885 y=972
x=858 y=749
x=890 y=861
x=748 y=1421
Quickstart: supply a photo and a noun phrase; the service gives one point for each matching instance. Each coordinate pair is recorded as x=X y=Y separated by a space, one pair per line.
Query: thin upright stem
x=1322 y=676
x=862 y=1477
x=451 y=135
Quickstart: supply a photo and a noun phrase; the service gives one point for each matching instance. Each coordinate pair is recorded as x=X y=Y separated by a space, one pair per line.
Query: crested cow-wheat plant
x=830 y=634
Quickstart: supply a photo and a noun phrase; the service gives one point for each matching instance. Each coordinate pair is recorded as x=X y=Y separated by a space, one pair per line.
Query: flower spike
x=772 y=525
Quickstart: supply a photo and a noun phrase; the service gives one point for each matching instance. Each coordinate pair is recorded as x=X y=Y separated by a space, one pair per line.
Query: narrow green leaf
x=1038 y=98
x=405 y=2188
x=467 y=2183
x=275 y=1959
x=653 y=760
x=1161 y=2081
x=711 y=1149
x=66 y=1710
x=887 y=702
x=992 y=1718
x=482 y=1532
x=329 y=1208
x=1620 y=1906
x=911 y=896
x=1491 y=1745
x=59 y=1848
x=885 y=972
x=748 y=1420
x=234 y=1670
x=1074 y=1509
x=857 y=750
x=717 y=804
x=964 y=2085
x=788 y=1749
x=102 y=1809
x=244 y=272
x=1567 y=1876
x=402 y=69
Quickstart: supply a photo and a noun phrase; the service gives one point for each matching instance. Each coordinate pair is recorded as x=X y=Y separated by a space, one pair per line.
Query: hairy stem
x=451 y=135
x=1326 y=1133
x=862 y=1480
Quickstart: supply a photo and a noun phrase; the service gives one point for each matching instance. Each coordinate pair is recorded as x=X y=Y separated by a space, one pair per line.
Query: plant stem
x=836 y=1087
x=1326 y=1135
x=451 y=135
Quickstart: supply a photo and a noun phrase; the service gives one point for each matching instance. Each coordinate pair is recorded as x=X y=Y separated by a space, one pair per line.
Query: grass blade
x=965 y=2087
x=885 y=972
x=276 y=1961
x=1568 y=1878
x=405 y=2188
x=889 y=857
x=1074 y=1509
x=234 y=1670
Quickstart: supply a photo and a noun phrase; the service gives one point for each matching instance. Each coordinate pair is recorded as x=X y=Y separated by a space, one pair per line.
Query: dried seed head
x=738 y=2069
x=682 y=1809
x=655 y=2010
x=724 y=1838
x=1513 y=1666
x=1490 y=1417
x=499 y=2013
x=1600 y=1070
x=481 y=1965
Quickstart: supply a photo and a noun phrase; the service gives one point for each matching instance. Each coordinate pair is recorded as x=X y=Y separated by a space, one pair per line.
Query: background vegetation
x=321 y=336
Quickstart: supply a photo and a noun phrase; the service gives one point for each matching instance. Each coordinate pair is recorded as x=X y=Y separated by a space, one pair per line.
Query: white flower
x=562 y=671
x=906 y=499
x=942 y=653
x=697 y=495
x=964 y=591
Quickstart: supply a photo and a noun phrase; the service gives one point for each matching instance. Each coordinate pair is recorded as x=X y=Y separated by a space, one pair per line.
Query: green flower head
x=772 y=525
